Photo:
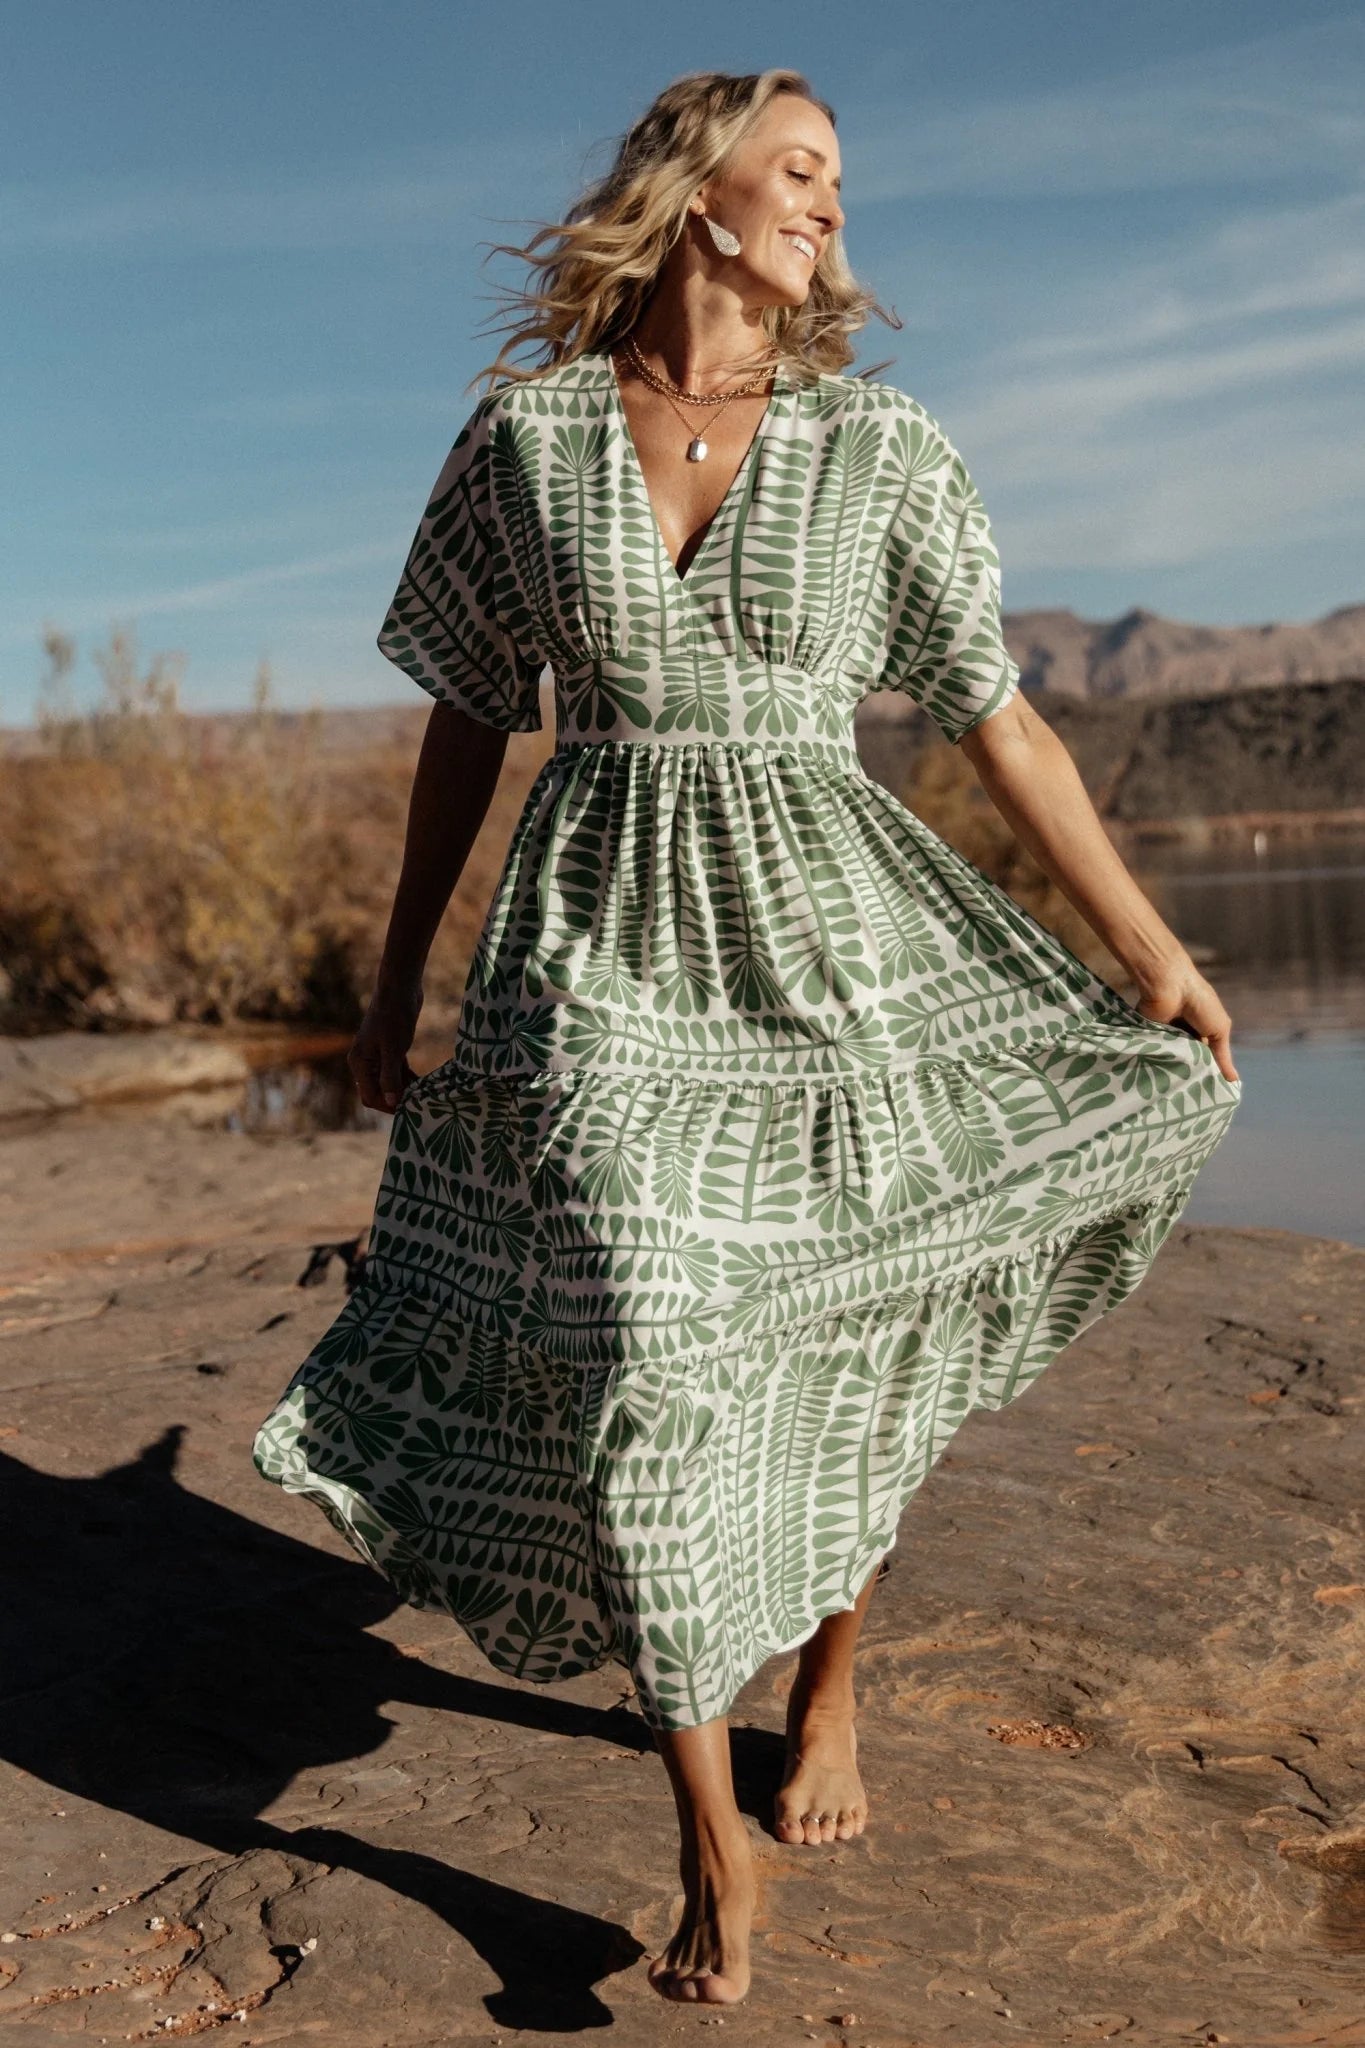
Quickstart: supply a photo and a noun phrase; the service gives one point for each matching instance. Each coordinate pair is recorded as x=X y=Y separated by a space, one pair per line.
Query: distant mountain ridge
x=1142 y=654
x=1063 y=659
x=1294 y=747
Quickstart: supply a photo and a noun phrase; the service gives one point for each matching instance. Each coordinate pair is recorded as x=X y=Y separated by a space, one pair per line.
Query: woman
x=776 y=1138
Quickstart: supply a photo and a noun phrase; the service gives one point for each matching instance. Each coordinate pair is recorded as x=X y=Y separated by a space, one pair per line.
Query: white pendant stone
x=697 y=450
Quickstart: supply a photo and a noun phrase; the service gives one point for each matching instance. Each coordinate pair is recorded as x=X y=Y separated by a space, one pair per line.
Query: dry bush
x=158 y=868
x=942 y=789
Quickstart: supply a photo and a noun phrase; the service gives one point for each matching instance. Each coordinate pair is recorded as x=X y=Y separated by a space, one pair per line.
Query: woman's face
x=780 y=189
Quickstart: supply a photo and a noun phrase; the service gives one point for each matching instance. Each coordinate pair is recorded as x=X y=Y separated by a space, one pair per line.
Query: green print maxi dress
x=775 y=1139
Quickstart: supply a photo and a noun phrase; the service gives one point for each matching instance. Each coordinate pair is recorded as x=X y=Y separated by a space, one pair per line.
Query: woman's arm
x=452 y=787
x=1033 y=782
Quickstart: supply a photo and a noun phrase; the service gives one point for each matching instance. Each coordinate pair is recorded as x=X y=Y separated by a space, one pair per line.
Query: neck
x=700 y=353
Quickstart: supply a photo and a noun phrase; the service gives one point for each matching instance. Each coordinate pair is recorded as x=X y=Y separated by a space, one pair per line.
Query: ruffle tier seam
x=884 y=1309
x=455 y=1069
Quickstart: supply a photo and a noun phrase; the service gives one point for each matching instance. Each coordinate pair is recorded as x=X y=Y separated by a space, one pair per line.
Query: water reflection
x=292 y=1096
x=1285 y=930
x=1279 y=927
x=317 y=1092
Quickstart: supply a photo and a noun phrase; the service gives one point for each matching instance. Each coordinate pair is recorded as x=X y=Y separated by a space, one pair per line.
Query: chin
x=783 y=295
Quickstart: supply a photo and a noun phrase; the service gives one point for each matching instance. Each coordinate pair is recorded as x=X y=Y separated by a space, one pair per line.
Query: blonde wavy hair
x=599 y=265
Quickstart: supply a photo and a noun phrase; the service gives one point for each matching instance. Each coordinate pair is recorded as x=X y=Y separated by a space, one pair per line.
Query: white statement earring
x=727 y=243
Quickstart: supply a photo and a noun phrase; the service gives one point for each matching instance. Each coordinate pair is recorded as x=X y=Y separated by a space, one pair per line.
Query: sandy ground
x=1111 y=1718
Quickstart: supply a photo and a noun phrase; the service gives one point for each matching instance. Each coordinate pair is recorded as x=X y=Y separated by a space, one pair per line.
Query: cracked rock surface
x=1110 y=1692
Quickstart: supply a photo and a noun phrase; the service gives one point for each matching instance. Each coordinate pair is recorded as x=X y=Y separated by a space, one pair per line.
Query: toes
x=671 y=1982
x=695 y=1987
x=807 y=1829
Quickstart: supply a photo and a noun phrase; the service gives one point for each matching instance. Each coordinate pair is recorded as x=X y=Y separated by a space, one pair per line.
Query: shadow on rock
x=140 y=1674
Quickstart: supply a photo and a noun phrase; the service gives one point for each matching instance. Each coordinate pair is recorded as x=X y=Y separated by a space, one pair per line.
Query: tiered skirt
x=649 y=1353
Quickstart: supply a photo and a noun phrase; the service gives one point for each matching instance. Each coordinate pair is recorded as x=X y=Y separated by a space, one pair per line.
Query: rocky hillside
x=1292 y=747
x=1287 y=747
x=1144 y=655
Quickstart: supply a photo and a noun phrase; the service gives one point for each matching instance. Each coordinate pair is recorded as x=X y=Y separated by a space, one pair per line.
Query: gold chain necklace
x=697 y=450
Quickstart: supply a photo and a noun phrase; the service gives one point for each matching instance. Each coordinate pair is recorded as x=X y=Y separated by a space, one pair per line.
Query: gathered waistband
x=701 y=702
x=840 y=748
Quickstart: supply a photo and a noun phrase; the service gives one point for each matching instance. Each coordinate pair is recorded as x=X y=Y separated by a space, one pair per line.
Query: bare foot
x=707 y=1961
x=822 y=1770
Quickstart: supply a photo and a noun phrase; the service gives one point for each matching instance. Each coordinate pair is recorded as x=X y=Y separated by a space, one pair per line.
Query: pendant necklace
x=697 y=449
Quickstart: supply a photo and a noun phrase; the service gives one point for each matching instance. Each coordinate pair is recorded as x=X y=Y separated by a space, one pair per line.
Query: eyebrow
x=819 y=156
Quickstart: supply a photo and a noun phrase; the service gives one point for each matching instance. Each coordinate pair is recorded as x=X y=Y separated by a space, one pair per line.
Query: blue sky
x=243 y=286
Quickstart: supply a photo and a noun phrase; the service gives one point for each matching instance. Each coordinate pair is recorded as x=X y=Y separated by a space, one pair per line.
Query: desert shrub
x=942 y=789
x=157 y=867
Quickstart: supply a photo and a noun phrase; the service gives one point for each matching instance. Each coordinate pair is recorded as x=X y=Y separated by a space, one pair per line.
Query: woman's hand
x=378 y=1055
x=452 y=786
x=1177 y=991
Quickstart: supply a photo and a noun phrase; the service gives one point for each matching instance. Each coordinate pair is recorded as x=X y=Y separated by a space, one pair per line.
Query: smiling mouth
x=803 y=243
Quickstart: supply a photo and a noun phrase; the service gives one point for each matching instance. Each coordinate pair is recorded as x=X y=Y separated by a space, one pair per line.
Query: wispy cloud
x=1264 y=108
x=1064 y=411
x=1295 y=261
x=1181 y=407
x=474 y=189
x=290 y=528
x=1228 y=490
x=210 y=595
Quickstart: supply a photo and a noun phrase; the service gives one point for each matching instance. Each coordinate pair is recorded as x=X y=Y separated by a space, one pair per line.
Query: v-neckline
x=740 y=476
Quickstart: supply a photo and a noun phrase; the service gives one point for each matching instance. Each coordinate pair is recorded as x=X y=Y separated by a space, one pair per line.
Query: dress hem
x=342 y=1503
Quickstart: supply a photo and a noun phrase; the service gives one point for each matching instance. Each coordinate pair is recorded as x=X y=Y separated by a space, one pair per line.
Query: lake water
x=1285 y=929
x=1280 y=934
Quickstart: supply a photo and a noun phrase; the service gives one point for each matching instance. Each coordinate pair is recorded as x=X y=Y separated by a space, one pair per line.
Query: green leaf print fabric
x=775 y=1138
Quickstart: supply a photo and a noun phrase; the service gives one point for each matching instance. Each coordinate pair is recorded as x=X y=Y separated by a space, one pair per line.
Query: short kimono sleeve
x=449 y=626
x=944 y=646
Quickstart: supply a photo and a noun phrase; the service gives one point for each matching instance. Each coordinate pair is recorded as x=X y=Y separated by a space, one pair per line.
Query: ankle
x=821 y=1695
x=719 y=1840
